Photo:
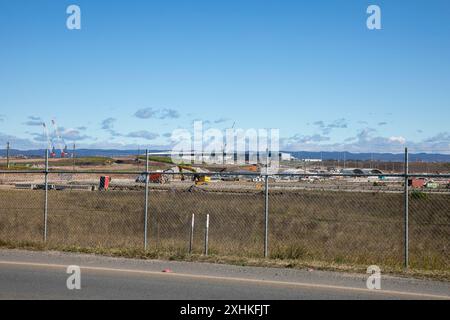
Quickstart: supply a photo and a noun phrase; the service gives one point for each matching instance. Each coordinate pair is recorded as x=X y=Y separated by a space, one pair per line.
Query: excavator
x=198 y=178
x=160 y=177
x=186 y=169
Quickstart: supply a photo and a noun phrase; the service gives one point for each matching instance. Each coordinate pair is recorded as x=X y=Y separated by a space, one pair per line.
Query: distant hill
x=397 y=157
x=79 y=152
x=325 y=155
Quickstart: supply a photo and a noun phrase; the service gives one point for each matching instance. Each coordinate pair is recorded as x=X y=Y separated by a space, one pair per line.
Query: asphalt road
x=42 y=275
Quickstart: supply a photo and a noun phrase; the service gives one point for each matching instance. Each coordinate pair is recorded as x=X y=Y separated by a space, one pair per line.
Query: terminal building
x=358 y=171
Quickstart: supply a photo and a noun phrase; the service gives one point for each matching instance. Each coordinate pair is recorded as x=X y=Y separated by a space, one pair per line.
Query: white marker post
x=191 y=239
x=206 y=234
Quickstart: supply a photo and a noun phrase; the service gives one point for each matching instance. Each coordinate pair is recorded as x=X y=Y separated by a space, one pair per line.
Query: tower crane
x=50 y=145
x=63 y=149
x=224 y=150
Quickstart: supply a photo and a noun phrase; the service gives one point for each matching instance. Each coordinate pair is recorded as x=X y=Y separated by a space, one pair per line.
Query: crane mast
x=50 y=145
x=62 y=144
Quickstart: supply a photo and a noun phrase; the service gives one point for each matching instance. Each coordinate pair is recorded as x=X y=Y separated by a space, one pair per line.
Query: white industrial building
x=284 y=156
x=312 y=160
x=247 y=157
x=357 y=171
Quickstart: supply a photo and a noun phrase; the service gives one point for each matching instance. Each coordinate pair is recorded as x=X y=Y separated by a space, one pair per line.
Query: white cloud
x=74 y=135
x=400 y=140
x=143 y=134
x=18 y=143
x=327 y=128
x=366 y=140
x=164 y=113
x=108 y=123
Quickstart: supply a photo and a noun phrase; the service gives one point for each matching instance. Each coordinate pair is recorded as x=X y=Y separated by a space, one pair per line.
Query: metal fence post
x=46 y=195
x=191 y=237
x=206 y=234
x=406 y=213
x=146 y=200
x=7 y=155
x=266 y=216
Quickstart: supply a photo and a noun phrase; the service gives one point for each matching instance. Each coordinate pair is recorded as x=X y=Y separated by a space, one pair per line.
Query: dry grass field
x=328 y=226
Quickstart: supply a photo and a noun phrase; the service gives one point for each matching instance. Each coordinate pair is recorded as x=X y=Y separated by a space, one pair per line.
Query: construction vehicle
x=158 y=177
x=198 y=178
x=201 y=179
x=185 y=168
x=432 y=185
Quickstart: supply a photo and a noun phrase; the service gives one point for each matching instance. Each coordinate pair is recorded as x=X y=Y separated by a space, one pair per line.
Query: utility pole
x=344 y=159
x=321 y=161
x=406 y=211
x=7 y=155
x=73 y=157
x=266 y=207
x=138 y=160
x=146 y=200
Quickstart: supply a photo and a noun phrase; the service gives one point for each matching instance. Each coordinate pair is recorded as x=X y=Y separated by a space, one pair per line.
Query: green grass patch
x=18 y=167
x=418 y=195
x=83 y=161
x=161 y=159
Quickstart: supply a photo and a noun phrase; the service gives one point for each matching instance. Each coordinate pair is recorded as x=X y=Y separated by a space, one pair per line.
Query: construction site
x=327 y=210
x=72 y=172
x=317 y=210
x=80 y=173
x=183 y=176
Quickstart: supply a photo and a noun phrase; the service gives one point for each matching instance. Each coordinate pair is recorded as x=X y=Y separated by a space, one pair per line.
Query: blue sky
x=139 y=69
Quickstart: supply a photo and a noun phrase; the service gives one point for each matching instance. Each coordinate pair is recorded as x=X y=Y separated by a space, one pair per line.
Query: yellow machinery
x=186 y=169
x=198 y=178
x=201 y=179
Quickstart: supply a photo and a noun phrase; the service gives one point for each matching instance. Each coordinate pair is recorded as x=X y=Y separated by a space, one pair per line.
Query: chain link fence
x=338 y=226
x=82 y=215
x=429 y=230
x=21 y=209
x=335 y=218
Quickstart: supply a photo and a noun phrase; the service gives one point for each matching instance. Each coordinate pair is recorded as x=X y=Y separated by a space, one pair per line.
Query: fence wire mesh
x=339 y=219
x=235 y=220
x=337 y=226
x=80 y=216
x=21 y=208
x=429 y=230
